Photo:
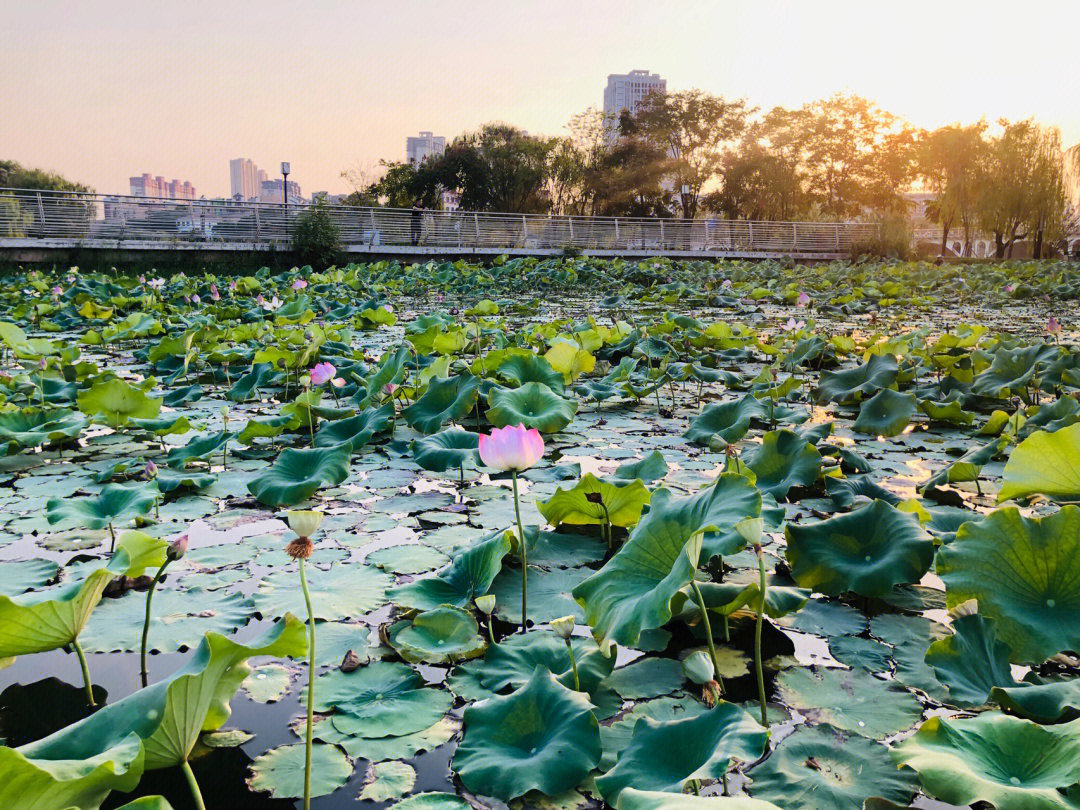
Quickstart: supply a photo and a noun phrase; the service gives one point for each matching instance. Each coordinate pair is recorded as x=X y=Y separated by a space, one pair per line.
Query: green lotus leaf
x=1044 y=464
x=520 y=369
x=853 y=384
x=850 y=700
x=201 y=448
x=665 y=755
x=31 y=427
x=280 y=771
x=820 y=768
x=147 y=803
x=844 y=491
x=561 y=550
x=381 y=699
x=20 y=576
x=724 y=423
x=968 y=467
x=388 y=780
x=116 y=402
x=436 y=636
x=635 y=588
x=267 y=428
x=867 y=551
x=447 y=399
x=168 y=425
x=971 y=662
x=649 y=469
x=1048 y=702
x=262 y=375
x=1021 y=570
x=343 y=592
x=631 y=799
x=533 y=405
x=168 y=480
x=620 y=505
x=358 y=430
x=951 y=412
x=453 y=448
x=886 y=413
x=296 y=475
x=468 y=576
x=542 y=737
x=116 y=502
x=433 y=801
x=511 y=663
x=169 y=715
x=732 y=594
x=1010 y=763
x=782 y=460
x=81 y=780
x=1012 y=370
x=391 y=371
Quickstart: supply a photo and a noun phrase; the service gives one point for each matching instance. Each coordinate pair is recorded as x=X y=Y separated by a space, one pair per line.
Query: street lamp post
x=285 y=191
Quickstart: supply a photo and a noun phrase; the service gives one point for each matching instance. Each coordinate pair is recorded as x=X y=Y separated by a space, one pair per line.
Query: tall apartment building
x=148 y=185
x=270 y=191
x=245 y=179
x=625 y=91
x=426 y=145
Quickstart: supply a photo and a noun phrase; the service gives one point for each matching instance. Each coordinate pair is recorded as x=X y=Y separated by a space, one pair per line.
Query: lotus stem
x=196 y=794
x=112 y=538
x=85 y=670
x=146 y=618
x=573 y=665
x=524 y=556
x=311 y=688
x=490 y=631
x=708 y=631
x=757 y=634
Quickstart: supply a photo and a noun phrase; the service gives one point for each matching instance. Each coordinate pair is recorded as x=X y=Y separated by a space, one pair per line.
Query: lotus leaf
x=867 y=551
x=280 y=771
x=631 y=799
x=527 y=367
x=297 y=474
x=649 y=469
x=388 y=780
x=853 y=384
x=782 y=460
x=201 y=448
x=117 y=403
x=886 y=413
x=1044 y=464
x=115 y=502
x=1049 y=702
x=821 y=768
x=971 y=662
x=1010 y=763
x=451 y=448
x=724 y=423
x=447 y=399
x=381 y=699
x=358 y=430
x=533 y=405
x=469 y=575
x=849 y=700
x=343 y=592
x=446 y=633
x=32 y=427
x=620 y=504
x=542 y=737
x=1021 y=572
x=665 y=755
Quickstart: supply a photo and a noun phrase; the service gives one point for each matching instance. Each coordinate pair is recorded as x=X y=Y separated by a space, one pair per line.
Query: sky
x=103 y=90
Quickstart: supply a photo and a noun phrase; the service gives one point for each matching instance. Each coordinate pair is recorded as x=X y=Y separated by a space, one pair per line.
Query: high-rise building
x=245 y=179
x=270 y=191
x=148 y=185
x=424 y=146
x=625 y=91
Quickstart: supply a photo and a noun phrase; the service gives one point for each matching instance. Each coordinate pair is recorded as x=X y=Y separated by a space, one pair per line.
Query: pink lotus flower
x=793 y=325
x=1052 y=326
x=195 y=299
x=338 y=382
x=299 y=284
x=804 y=299
x=322 y=373
x=232 y=286
x=1009 y=288
x=388 y=308
x=214 y=294
x=57 y=291
x=512 y=448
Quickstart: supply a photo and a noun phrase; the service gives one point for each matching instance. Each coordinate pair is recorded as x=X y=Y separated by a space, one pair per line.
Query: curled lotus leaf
x=527 y=367
x=542 y=737
x=116 y=402
x=1044 y=464
x=867 y=551
x=1054 y=701
x=447 y=399
x=665 y=755
x=468 y=576
x=724 y=423
x=886 y=413
x=200 y=448
x=358 y=430
x=114 y=503
x=297 y=474
x=854 y=384
x=436 y=636
x=783 y=460
x=1020 y=570
x=453 y=448
x=971 y=662
x=1007 y=762
x=534 y=405
x=649 y=469
x=32 y=427
x=593 y=501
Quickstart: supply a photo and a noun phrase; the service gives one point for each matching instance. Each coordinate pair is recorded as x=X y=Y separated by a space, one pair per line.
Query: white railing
x=27 y=216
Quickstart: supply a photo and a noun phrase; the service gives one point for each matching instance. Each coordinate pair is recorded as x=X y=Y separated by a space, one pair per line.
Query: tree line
x=690 y=153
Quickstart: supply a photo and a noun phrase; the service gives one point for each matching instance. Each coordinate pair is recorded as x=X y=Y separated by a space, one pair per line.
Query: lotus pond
x=768 y=536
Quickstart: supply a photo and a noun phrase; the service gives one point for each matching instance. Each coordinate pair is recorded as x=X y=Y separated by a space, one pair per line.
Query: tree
x=949 y=161
x=693 y=128
x=75 y=212
x=757 y=183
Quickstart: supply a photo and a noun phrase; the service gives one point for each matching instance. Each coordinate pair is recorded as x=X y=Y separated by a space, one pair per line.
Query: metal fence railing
x=88 y=218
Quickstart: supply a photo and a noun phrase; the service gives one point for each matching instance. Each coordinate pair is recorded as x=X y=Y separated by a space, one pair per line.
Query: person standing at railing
x=417 y=222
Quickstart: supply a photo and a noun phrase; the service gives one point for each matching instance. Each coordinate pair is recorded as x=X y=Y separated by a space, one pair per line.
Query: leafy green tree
x=949 y=161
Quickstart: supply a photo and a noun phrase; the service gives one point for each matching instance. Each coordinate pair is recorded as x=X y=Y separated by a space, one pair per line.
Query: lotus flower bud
x=151 y=469
x=563 y=627
x=594 y=497
x=177 y=548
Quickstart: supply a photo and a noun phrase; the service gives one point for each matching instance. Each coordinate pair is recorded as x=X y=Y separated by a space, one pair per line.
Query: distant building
x=246 y=179
x=626 y=91
x=451 y=200
x=148 y=185
x=270 y=191
x=327 y=197
x=424 y=146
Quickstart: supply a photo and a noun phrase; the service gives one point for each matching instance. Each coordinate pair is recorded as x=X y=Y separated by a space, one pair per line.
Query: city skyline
x=92 y=97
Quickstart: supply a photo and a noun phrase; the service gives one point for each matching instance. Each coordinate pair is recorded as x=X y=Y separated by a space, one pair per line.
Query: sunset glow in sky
x=106 y=89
